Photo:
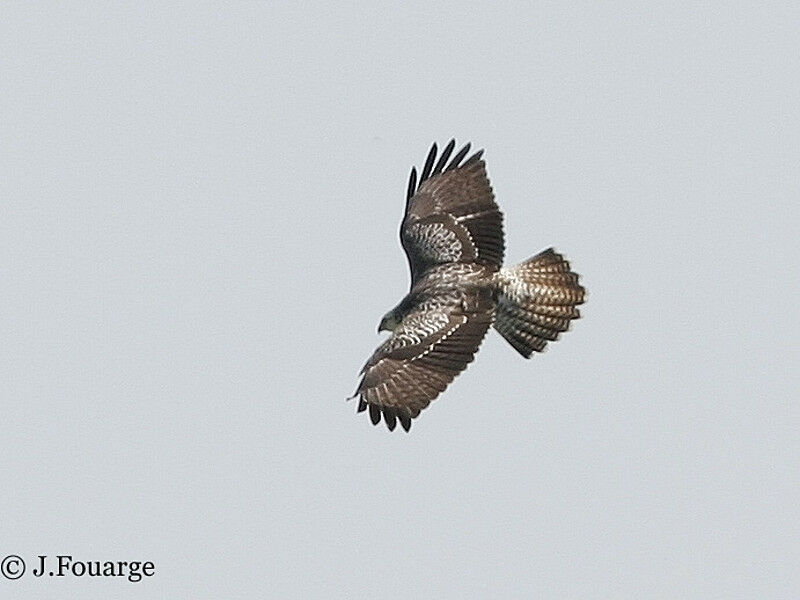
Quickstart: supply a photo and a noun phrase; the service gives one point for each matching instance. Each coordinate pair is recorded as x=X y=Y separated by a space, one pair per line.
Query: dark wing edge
x=400 y=380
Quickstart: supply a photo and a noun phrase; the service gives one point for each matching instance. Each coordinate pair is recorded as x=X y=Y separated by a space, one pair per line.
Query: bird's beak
x=384 y=326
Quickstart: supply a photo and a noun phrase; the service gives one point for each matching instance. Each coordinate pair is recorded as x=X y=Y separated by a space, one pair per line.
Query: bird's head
x=390 y=321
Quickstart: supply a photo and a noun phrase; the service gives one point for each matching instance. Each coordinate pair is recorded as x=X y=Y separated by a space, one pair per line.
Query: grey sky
x=198 y=231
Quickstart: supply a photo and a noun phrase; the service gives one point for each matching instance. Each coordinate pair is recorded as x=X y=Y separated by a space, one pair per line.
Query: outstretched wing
x=451 y=215
x=420 y=359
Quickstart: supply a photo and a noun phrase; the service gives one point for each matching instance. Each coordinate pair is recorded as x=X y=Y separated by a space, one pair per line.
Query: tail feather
x=537 y=301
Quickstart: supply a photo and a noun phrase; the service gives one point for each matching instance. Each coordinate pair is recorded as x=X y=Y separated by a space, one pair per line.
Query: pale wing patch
x=434 y=242
x=415 y=328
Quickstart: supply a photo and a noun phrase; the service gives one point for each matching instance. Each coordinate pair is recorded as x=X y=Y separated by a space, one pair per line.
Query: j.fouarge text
x=64 y=565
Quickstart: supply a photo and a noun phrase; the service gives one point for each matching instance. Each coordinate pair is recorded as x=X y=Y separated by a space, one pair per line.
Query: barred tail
x=537 y=300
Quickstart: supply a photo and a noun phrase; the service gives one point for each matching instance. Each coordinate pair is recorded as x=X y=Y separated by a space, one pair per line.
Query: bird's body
x=452 y=233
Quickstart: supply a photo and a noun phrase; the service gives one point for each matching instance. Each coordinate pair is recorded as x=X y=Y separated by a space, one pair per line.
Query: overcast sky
x=198 y=237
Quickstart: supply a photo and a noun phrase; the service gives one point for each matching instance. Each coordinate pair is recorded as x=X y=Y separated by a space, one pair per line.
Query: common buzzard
x=452 y=233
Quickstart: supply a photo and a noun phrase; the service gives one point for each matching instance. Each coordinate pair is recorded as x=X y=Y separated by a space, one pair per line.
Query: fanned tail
x=537 y=300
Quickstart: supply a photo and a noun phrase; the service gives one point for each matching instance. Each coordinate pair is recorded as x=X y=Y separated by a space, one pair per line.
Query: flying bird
x=452 y=234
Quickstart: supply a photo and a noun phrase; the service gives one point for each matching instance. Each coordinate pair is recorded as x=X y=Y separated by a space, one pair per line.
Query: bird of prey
x=452 y=234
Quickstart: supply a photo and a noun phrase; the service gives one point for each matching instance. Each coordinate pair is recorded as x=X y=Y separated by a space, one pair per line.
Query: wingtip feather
x=374 y=414
x=412 y=183
x=474 y=158
x=390 y=416
x=448 y=150
x=405 y=420
x=426 y=171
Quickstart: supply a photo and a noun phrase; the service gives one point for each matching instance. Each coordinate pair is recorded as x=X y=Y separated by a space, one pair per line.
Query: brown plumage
x=452 y=233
